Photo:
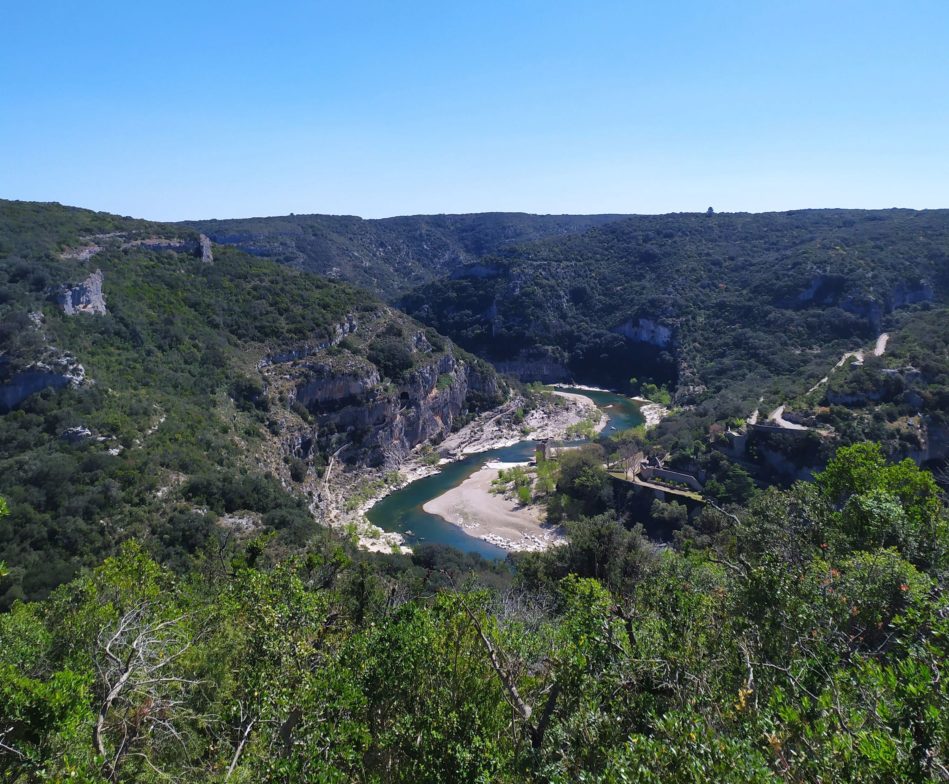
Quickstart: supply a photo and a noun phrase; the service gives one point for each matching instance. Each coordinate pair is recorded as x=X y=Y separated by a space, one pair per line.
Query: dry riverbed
x=653 y=413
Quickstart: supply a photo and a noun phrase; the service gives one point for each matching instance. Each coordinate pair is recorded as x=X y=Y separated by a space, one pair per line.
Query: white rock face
x=647 y=331
x=81 y=254
x=87 y=297
x=204 y=245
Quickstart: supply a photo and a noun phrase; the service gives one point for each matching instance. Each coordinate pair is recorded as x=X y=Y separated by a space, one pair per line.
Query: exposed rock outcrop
x=81 y=254
x=341 y=330
x=324 y=391
x=199 y=246
x=87 y=297
x=57 y=370
x=380 y=423
x=646 y=330
x=827 y=290
x=204 y=245
x=77 y=434
x=937 y=441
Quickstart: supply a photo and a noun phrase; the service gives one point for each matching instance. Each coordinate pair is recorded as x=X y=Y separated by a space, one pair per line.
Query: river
x=402 y=510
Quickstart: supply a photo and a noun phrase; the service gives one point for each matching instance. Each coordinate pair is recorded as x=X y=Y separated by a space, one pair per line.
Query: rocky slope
x=344 y=405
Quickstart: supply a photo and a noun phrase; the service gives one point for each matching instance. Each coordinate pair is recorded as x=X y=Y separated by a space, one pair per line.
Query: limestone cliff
x=645 y=330
x=379 y=423
x=27 y=383
x=345 y=406
x=199 y=246
x=87 y=297
x=825 y=290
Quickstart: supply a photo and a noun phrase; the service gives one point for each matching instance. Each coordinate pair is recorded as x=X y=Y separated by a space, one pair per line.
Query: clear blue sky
x=172 y=110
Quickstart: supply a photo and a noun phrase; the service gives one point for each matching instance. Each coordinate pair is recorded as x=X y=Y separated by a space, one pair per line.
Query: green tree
x=583 y=478
x=883 y=505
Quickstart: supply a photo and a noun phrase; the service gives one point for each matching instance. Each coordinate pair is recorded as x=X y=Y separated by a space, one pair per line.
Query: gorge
x=319 y=512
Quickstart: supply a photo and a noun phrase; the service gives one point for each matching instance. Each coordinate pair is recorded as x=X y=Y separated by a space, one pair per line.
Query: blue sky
x=198 y=109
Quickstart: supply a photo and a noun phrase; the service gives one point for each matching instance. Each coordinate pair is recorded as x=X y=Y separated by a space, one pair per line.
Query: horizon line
x=486 y=212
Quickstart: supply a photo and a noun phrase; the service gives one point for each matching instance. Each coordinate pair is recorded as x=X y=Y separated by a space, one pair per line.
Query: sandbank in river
x=493 y=517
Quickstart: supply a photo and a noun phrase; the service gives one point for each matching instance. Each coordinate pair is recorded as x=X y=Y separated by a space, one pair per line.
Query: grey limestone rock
x=87 y=297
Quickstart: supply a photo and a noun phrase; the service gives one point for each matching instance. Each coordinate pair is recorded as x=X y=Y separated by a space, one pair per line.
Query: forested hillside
x=151 y=388
x=724 y=294
x=801 y=639
x=390 y=255
x=729 y=311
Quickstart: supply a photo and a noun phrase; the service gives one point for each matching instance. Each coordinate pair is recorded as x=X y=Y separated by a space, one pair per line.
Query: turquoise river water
x=402 y=510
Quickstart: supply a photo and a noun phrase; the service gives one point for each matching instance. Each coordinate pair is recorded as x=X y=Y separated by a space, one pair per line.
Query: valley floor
x=493 y=517
x=511 y=529
x=501 y=520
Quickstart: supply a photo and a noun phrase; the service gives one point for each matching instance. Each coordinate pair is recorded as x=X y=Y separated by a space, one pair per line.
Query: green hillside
x=157 y=417
x=391 y=255
x=723 y=309
x=800 y=639
x=171 y=410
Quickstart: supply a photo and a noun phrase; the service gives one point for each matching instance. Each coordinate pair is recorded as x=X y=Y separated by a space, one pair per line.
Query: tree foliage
x=789 y=649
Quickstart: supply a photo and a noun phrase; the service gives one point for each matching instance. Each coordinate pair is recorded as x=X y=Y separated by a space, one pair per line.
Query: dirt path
x=858 y=356
x=777 y=417
x=880 y=347
x=753 y=418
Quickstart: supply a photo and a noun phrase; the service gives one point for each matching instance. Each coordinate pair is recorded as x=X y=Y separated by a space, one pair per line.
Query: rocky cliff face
x=346 y=407
x=646 y=330
x=339 y=331
x=87 y=297
x=22 y=385
x=937 y=441
x=199 y=246
x=204 y=249
x=827 y=290
x=379 y=423
x=56 y=370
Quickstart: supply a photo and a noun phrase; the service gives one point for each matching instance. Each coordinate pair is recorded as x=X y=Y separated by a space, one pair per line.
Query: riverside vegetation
x=174 y=607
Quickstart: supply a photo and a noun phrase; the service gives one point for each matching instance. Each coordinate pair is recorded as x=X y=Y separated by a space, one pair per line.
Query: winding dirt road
x=777 y=416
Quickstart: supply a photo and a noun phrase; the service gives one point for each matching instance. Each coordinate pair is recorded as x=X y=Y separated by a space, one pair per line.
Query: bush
x=390 y=354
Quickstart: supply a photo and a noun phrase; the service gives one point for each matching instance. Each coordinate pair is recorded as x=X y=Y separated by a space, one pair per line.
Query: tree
x=629 y=444
x=673 y=514
x=883 y=505
x=143 y=694
x=391 y=355
x=583 y=477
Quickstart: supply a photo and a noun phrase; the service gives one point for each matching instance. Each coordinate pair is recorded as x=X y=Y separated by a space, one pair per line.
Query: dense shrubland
x=801 y=638
x=389 y=255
